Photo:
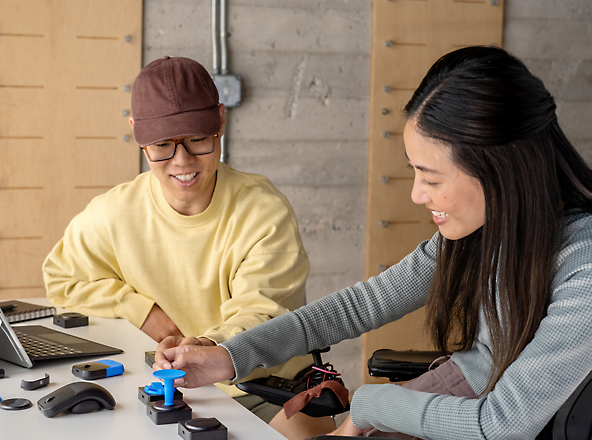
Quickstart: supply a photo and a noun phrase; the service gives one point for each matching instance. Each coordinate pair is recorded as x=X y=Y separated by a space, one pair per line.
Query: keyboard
x=38 y=348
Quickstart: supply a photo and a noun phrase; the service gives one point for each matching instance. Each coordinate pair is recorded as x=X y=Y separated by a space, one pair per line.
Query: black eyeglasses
x=194 y=145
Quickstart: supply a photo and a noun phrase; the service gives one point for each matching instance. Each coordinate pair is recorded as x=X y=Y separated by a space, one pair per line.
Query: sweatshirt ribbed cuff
x=134 y=308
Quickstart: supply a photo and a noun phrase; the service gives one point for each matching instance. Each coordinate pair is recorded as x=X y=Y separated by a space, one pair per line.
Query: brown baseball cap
x=172 y=98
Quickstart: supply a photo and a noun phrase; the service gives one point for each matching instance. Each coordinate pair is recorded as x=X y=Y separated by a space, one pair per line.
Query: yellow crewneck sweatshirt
x=237 y=264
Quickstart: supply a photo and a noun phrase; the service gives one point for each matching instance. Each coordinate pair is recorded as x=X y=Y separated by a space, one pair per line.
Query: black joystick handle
x=316 y=357
x=316 y=376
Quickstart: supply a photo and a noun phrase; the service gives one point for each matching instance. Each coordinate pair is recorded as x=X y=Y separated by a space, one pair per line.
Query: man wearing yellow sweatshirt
x=191 y=248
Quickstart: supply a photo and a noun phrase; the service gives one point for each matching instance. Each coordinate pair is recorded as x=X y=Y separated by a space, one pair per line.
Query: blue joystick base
x=172 y=408
x=147 y=393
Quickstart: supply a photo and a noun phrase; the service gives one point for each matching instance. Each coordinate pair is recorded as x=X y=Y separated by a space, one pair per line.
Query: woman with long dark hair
x=507 y=279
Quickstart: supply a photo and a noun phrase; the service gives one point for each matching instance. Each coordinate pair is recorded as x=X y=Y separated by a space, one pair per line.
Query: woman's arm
x=529 y=392
x=346 y=314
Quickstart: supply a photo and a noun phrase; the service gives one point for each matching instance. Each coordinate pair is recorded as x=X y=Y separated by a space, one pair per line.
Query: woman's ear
x=131 y=122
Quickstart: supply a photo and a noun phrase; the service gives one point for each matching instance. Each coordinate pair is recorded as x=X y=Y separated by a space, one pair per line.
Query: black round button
x=15 y=404
x=202 y=424
x=72 y=315
x=161 y=406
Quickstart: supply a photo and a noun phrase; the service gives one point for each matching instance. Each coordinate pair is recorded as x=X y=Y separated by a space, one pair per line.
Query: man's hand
x=348 y=428
x=202 y=365
x=158 y=325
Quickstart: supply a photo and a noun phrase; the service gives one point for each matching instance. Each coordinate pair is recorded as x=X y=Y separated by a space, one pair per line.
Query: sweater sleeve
x=346 y=314
x=530 y=391
x=82 y=274
x=266 y=285
x=265 y=267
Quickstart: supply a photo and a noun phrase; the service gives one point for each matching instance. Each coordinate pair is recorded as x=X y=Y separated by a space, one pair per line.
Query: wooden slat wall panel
x=62 y=126
x=407 y=37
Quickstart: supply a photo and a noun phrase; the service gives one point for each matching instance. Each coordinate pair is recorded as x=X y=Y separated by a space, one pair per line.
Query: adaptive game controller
x=278 y=390
x=77 y=398
x=169 y=408
x=202 y=429
x=165 y=405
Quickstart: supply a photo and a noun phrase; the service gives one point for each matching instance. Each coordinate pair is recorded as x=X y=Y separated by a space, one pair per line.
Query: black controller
x=278 y=390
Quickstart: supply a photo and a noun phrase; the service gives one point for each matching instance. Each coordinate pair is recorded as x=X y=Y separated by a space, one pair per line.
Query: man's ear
x=131 y=122
x=222 y=110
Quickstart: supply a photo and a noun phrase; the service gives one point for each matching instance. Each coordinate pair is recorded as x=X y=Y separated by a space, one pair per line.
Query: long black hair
x=500 y=125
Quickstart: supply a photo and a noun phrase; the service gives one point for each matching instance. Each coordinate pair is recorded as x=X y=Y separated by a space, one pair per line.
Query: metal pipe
x=223 y=48
x=223 y=141
x=215 y=37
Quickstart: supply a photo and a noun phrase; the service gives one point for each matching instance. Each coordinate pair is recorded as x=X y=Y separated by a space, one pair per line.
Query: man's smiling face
x=188 y=181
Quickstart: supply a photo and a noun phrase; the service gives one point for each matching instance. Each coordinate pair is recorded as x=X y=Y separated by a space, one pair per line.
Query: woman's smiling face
x=455 y=199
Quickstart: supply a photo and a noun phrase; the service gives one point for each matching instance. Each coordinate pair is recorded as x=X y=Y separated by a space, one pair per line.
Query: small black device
x=16 y=404
x=202 y=429
x=98 y=369
x=149 y=358
x=77 y=398
x=35 y=384
x=70 y=320
x=278 y=390
x=162 y=414
x=7 y=307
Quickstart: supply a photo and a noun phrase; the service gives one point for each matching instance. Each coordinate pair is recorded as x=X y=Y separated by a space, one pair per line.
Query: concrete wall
x=303 y=122
x=554 y=39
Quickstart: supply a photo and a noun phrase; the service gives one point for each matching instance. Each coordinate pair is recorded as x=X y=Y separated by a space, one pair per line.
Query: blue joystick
x=169 y=376
x=154 y=389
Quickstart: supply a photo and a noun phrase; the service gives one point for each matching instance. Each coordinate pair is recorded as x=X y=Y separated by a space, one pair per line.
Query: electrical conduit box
x=229 y=89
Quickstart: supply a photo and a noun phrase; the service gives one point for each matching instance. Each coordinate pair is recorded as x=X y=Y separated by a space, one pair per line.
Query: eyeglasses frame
x=145 y=148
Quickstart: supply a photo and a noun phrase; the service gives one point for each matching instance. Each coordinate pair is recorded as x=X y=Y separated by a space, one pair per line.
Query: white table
x=128 y=420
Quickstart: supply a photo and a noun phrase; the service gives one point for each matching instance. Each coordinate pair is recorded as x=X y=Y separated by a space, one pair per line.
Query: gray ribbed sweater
x=528 y=394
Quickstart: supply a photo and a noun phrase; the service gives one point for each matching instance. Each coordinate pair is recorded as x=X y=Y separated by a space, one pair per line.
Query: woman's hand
x=348 y=428
x=202 y=365
x=177 y=341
